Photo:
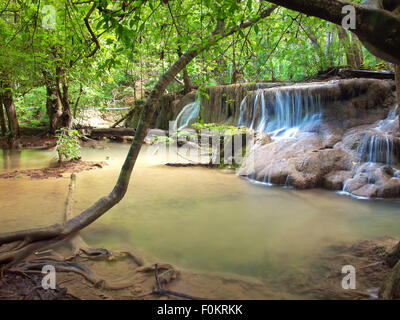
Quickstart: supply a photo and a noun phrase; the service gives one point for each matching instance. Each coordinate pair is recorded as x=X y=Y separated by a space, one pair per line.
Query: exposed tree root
x=160 y=289
x=18 y=249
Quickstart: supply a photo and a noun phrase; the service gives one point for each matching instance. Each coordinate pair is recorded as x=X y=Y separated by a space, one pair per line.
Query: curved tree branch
x=378 y=29
x=94 y=37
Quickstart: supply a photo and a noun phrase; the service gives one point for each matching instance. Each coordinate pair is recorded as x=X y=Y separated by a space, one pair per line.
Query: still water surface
x=195 y=217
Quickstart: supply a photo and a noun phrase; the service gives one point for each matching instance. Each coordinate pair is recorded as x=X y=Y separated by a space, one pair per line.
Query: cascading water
x=188 y=113
x=281 y=112
x=377 y=145
x=377 y=149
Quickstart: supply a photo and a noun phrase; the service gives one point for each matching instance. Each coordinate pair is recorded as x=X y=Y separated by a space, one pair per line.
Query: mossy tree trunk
x=53 y=106
x=63 y=92
x=353 y=52
x=8 y=102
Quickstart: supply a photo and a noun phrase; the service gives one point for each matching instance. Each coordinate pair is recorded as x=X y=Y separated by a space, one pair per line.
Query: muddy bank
x=116 y=276
x=324 y=279
x=55 y=171
x=108 y=275
x=39 y=141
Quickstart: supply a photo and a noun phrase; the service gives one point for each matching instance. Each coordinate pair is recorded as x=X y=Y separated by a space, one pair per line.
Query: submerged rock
x=335 y=180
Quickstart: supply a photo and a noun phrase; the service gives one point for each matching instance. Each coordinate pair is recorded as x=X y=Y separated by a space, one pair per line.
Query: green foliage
x=140 y=40
x=68 y=147
x=31 y=107
x=220 y=128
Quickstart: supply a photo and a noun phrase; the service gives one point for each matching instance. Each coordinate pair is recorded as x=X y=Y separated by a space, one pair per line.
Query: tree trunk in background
x=354 y=56
x=79 y=97
x=8 y=102
x=234 y=67
x=66 y=117
x=328 y=47
x=57 y=101
x=187 y=81
x=53 y=107
x=357 y=49
x=3 y=120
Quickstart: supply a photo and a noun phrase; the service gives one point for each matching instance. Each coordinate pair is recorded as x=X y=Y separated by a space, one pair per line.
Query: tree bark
x=379 y=30
x=3 y=120
x=53 y=107
x=352 y=49
x=357 y=50
x=8 y=102
x=77 y=100
x=66 y=117
x=328 y=46
x=187 y=82
x=186 y=79
x=34 y=239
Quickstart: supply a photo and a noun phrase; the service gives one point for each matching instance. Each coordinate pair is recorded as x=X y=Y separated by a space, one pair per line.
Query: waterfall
x=377 y=148
x=377 y=145
x=281 y=112
x=188 y=113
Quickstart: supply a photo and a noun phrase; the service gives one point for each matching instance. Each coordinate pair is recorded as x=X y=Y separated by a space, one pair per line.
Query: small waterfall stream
x=377 y=145
x=281 y=112
x=377 y=151
x=188 y=113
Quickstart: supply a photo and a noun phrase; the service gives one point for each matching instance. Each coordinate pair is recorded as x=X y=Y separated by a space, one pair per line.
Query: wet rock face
x=302 y=163
x=340 y=103
x=374 y=180
x=353 y=145
x=169 y=107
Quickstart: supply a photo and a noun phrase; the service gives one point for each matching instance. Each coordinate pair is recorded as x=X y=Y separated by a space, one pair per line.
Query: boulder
x=336 y=179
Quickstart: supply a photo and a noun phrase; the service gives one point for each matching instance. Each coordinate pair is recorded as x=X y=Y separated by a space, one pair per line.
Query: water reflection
x=11 y=159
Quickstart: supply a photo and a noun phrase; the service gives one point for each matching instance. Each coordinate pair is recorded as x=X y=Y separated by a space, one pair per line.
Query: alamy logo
x=349 y=20
x=49 y=19
x=49 y=280
x=349 y=281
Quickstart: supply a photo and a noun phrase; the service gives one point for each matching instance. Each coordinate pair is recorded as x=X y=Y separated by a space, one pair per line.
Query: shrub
x=68 y=147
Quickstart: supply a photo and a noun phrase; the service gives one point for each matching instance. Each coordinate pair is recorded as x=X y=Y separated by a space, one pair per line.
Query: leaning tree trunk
x=18 y=245
x=3 y=120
